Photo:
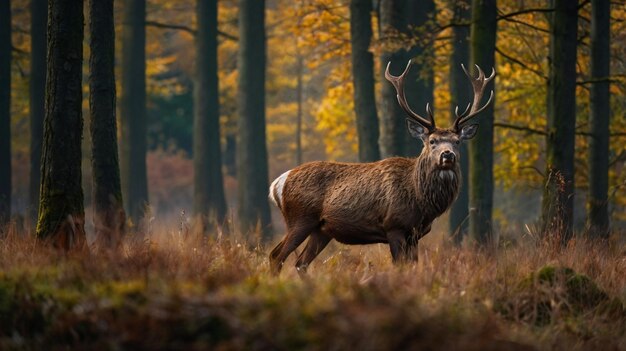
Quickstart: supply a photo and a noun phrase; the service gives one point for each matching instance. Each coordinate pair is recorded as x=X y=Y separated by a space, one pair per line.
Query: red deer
x=391 y=201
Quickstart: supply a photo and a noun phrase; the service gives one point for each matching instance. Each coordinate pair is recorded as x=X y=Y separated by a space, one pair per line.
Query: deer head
x=441 y=145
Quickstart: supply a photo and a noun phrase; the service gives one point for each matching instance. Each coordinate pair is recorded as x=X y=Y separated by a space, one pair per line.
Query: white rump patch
x=276 y=189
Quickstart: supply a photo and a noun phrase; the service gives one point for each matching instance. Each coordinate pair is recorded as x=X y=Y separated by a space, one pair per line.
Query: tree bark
x=363 y=80
x=61 y=213
x=404 y=17
x=230 y=153
x=420 y=80
x=598 y=216
x=482 y=53
x=209 y=200
x=5 y=112
x=460 y=95
x=38 y=28
x=254 y=212
x=392 y=117
x=558 y=196
x=299 y=88
x=133 y=109
x=109 y=216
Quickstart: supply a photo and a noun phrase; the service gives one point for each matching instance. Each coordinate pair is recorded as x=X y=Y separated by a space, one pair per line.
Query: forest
x=139 y=140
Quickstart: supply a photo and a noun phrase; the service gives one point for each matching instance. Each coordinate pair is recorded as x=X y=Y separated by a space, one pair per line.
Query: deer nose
x=448 y=156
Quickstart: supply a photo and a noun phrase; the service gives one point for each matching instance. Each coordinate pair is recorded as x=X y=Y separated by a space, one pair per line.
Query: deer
x=392 y=201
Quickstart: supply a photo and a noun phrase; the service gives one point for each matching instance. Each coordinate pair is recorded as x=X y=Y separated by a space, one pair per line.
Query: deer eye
x=432 y=141
x=458 y=142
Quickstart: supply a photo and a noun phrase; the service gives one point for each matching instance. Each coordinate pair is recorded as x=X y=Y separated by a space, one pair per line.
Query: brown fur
x=392 y=201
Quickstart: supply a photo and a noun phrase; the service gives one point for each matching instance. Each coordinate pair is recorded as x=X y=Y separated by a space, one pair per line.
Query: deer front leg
x=403 y=246
x=411 y=247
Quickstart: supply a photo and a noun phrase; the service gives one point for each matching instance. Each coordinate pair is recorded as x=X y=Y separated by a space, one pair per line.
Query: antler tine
x=478 y=85
x=456 y=110
x=398 y=83
x=430 y=114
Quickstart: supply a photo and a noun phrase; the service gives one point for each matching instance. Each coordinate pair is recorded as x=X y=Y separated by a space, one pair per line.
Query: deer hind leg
x=276 y=251
x=294 y=238
x=317 y=242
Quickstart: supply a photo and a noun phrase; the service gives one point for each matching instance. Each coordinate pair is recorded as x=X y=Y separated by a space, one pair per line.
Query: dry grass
x=175 y=293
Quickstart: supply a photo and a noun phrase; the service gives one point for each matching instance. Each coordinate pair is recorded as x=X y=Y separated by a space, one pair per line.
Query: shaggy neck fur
x=435 y=188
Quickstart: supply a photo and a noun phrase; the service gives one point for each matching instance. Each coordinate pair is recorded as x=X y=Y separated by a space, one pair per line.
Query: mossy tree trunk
x=109 y=216
x=38 y=28
x=252 y=169
x=460 y=94
x=558 y=196
x=5 y=112
x=61 y=213
x=598 y=216
x=133 y=109
x=363 y=79
x=482 y=50
x=209 y=199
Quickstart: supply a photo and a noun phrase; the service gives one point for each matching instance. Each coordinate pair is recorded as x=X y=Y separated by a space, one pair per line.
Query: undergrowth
x=177 y=293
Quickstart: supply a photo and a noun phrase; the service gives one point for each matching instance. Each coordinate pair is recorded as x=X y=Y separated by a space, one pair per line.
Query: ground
x=176 y=291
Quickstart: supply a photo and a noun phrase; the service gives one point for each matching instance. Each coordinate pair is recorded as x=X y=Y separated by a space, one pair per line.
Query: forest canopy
x=308 y=43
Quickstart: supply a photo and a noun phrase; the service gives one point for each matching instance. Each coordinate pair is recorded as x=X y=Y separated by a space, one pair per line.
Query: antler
x=398 y=83
x=478 y=85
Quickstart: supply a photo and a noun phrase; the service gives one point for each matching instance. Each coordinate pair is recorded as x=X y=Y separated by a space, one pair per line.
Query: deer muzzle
x=447 y=158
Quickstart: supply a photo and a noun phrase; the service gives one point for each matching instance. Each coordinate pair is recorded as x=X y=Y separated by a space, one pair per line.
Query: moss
x=583 y=293
x=21 y=308
x=7 y=307
x=543 y=291
x=549 y=274
x=121 y=292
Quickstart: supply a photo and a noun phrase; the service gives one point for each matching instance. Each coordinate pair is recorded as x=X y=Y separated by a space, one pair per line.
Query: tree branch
x=610 y=79
x=187 y=29
x=523 y=12
x=618 y=158
x=527 y=25
x=583 y=4
x=520 y=63
x=542 y=132
x=533 y=168
x=19 y=51
x=171 y=26
x=520 y=128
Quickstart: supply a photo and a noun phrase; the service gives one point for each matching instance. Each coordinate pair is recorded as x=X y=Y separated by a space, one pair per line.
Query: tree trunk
x=482 y=49
x=38 y=28
x=392 y=118
x=230 y=153
x=209 y=200
x=404 y=17
x=109 y=216
x=252 y=170
x=420 y=80
x=133 y=109
x=460 y=95
x=598 y=217
x=299 y=88
x=558 y=197
x=363 y=80
x=61 y=213
x=5 y=112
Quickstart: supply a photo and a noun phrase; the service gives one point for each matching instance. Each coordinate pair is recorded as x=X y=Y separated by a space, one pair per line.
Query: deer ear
x=468 y=131
x=416 y=130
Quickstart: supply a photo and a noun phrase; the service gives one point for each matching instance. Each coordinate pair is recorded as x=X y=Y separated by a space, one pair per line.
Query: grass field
x=177 y=293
